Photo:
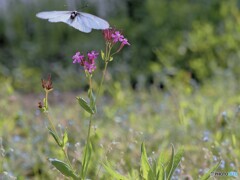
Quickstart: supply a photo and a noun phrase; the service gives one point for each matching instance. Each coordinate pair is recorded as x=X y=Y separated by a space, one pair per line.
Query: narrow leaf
x=86 y=160
x=162 y=173
x=169 y=169
x=85 y=105
x=92 y=100
x=58 y=141
x=64 y=168
x=176 y=161
x=145 y=167
x=65 y=139
x=102 y=55
x=207 y=175
x=112 y=172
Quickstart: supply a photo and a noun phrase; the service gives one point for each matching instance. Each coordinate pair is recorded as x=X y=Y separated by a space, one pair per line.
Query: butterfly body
x=74 y=14
x=84 y=22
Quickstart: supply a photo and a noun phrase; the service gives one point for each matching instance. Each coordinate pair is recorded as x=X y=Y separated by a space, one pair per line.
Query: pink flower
x=92 y=55
x=111 y=37
x=78 y=58
x=89 y=66
x=89 y=63
x=117 y=36
x=124 y=41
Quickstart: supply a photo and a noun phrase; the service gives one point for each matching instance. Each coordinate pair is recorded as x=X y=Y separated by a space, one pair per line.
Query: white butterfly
x=82 y=21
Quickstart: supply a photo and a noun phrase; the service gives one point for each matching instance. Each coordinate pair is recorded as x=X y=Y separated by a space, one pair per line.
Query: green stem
x=90 y=121
x=101 y=83
x=54 y=129
x=48 y=115
x=84 y=171
x=106 y=60
x=89 y=130
x=66 y=156
x=51 y=124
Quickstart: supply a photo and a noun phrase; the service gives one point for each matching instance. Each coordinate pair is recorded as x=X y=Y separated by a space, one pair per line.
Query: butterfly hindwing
x=93 y=21
x=80 y=25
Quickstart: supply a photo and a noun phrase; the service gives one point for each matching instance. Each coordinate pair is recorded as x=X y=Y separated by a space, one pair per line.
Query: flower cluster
x=89 y=63
x=112 y=36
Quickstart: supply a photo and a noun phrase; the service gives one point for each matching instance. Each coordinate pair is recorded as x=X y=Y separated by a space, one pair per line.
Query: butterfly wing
x=92 y=21
x=78 y=23
x=55 y=16
x=83 y=21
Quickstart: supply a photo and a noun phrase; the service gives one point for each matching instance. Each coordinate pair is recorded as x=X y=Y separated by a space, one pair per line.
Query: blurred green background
x=178 y=81
x=167 y=37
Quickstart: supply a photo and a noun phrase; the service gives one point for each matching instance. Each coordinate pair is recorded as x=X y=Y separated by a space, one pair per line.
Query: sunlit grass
x=204 y=122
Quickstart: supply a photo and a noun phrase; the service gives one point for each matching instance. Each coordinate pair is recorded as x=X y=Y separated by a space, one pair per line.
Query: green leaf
x=86 y=160
x=145 y=167
x=65 y=139
x=207 y=175
x=58 y=141
x=170 y=165
x=85 y=105
x=161 y=173
x=102 y=55
x=92 y=100
x=111 y=58
x=176 y=161
x=112 y=172
x=133 y=174
x=64 y=168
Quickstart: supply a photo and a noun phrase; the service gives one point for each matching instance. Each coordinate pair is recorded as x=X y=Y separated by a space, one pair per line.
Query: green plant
x=112 y=37
x=160 y=169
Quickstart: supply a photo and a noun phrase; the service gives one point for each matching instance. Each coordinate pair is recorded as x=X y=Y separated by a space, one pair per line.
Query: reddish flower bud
x=40 y=106
x=107 y=33
x=47 y=84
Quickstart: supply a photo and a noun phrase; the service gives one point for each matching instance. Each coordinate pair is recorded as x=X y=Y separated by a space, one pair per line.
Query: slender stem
x=90 y=83
x=89 y=129
x=90 y=121
x=101 y=83
x=48 y=115
x=46 y=99
x=109 y=51
x=66 y=155
x=106 y=50
x=55 y=131
x=51 y=123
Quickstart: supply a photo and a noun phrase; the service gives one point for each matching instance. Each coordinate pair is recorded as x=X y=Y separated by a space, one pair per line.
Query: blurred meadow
x=178 y=83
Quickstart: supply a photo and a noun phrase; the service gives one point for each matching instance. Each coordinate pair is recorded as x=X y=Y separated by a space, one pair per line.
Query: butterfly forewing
x=52 y=14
